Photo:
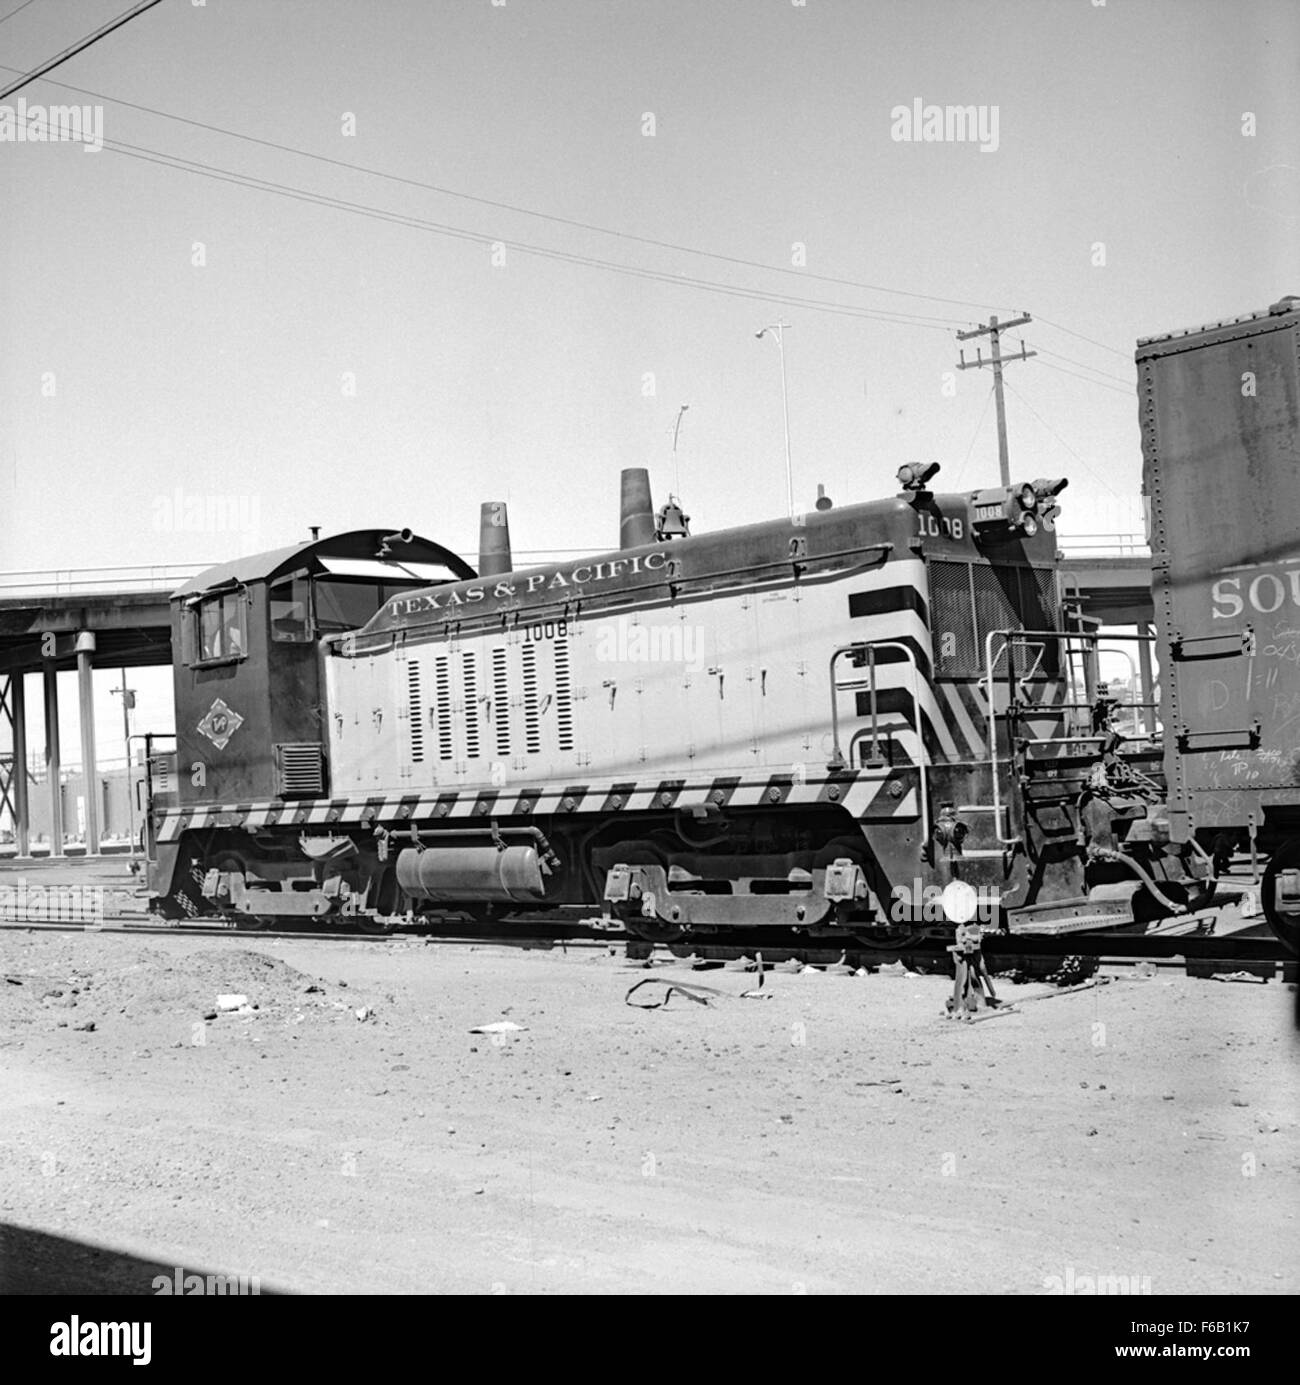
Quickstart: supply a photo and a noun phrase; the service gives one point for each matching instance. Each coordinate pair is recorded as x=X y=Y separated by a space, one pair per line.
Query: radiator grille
x=300 y=769
x=951 y=624
x=968 y=600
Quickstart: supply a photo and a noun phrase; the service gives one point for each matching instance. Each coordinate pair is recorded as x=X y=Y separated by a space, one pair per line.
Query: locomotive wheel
x=1285 y=924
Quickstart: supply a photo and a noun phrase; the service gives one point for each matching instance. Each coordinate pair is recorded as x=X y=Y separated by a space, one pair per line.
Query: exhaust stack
x=494 y=539
x=636 y=519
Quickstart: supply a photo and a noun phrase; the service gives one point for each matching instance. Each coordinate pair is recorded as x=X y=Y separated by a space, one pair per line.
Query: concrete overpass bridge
x=60 y=620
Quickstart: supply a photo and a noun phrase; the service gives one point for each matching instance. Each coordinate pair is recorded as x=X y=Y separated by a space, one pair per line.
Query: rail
x=73 y=581
x=837 y=760
x=1103 y=545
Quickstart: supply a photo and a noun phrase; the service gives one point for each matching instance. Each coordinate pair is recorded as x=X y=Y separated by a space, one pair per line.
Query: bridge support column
x=18 y=787
x=53 y=767
x=89 y=762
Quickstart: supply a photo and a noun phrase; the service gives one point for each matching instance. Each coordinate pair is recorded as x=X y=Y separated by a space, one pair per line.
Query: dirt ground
x=351 y=1135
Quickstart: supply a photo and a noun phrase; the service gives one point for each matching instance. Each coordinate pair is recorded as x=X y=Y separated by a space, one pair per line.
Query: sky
x=193 y=367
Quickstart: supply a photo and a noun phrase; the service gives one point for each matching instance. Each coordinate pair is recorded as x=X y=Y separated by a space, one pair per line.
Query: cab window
x=222 y=627
x=343 y=605
x=290 y=617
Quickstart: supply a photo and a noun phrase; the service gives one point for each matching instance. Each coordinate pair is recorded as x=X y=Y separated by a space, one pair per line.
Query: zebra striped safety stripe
x=864 y=794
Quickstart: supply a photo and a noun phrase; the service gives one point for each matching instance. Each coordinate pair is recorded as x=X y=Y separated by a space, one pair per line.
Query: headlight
x=1028 y=497
x=1028 y=524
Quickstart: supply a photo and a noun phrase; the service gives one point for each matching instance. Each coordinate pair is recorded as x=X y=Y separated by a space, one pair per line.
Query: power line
x=515 y=207
x=1129 y=392
x=1083 y=365
x=4 y=19
x=483 y=238
x=974 y=437
x=1092 y=341
x=1062 y=441
x=80 y=46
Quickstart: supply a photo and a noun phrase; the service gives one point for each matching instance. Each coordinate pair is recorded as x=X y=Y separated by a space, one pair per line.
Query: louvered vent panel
x=469 y=681
x=532 y=715
x=415 y=711
x=300 y=769
x=563 y=695
x=442 y=678
x=501 y=699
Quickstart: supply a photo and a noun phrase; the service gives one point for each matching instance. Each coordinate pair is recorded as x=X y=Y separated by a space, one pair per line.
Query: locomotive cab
x=249 y=714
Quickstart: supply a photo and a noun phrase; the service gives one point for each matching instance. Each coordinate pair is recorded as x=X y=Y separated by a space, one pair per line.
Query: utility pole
x=128 y=703
x=993 y=330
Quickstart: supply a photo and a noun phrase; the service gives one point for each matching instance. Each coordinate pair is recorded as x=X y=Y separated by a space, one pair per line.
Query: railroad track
x=1196 y=954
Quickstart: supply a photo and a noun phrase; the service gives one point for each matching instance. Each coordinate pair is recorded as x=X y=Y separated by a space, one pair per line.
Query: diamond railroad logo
x=220 y=724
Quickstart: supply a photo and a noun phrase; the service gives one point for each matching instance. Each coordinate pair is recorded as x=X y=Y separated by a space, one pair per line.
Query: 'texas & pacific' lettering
x=558 y=580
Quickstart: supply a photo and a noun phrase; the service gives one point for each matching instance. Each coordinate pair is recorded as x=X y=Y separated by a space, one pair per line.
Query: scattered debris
x=364 y=1012
x=87 y=1028
x=501 y=1027
x=1144 y=971
x=701 y=995
x=880 y=1082
x=1239 y=976
x=231 y=1002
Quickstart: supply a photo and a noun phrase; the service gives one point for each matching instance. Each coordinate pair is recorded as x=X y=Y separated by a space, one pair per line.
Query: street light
x=778 y=330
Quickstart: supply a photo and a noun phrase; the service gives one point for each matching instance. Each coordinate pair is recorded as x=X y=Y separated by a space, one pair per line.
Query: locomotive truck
x=858 y=723
x=1220 y=412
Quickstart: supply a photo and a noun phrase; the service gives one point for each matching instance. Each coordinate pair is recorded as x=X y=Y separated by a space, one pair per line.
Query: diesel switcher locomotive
x=864 y=722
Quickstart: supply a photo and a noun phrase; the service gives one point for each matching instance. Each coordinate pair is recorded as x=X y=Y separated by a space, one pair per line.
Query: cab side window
x=222 y=627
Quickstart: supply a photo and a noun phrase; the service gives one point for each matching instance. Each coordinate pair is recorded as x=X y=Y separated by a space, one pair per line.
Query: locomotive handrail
x=1010 y=637
x=837 y=760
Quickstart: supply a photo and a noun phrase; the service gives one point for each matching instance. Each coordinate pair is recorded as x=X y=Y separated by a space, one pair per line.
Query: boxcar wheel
x=1284 y=923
